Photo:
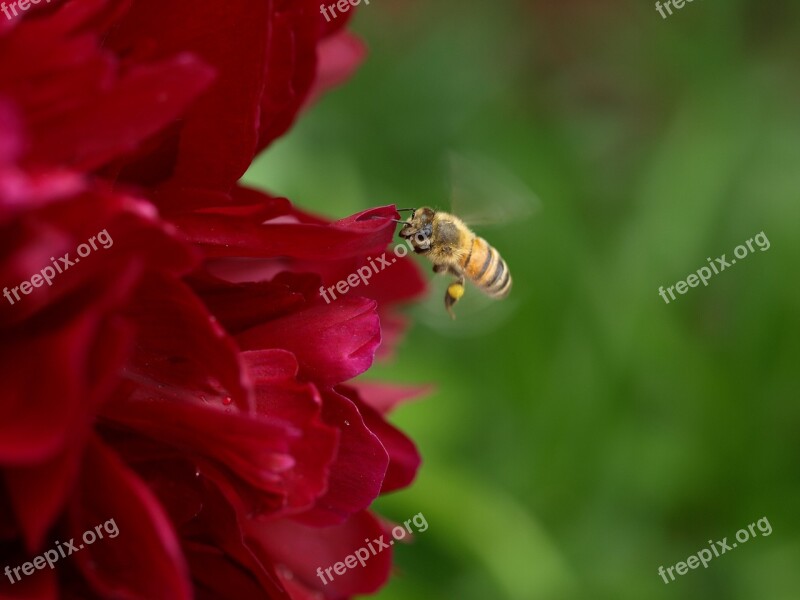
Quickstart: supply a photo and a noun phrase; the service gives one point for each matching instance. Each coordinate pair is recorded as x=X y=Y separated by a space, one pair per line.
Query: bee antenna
x=388 y=219
x=405 y=209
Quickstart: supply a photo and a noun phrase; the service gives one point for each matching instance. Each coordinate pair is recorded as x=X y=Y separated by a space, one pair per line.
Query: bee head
x=419 y=229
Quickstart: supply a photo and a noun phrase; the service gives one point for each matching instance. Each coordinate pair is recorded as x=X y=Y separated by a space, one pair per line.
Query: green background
x=587 y=433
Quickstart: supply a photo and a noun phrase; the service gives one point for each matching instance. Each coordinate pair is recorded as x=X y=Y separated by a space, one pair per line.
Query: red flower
x=169 y=365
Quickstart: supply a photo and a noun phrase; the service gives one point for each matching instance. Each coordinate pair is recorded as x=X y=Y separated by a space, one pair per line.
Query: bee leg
x=439 y=269
x=454 y=292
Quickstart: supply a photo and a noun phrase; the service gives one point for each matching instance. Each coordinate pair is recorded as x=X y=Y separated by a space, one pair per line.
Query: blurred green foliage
x=595 y=433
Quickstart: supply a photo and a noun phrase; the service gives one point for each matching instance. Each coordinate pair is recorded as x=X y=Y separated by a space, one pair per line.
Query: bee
x=454 y=249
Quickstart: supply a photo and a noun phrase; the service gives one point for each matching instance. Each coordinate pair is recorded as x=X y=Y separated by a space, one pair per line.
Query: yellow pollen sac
x=455 y=290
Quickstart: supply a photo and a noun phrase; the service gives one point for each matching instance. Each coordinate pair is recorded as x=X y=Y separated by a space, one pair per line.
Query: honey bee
x=453 y=248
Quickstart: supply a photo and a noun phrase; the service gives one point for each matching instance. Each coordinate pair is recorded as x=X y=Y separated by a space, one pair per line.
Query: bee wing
x=476 y=313
x=483 y=192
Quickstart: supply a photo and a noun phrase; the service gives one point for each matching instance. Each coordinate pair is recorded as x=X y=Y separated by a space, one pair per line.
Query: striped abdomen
x=484 y=266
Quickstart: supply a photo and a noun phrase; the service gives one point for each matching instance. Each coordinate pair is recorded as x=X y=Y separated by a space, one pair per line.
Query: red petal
x=182 y=352
x=144 y=559
x=360 y=467
x=332 y=343
x=385 y=397
x=339 y=57
x=218 y=135
x=119 y=119
x=220 y=525
x=404 y=459
x=44 y=409
x=240 y=306
x=217 y=575
x=85 y=109
x=400 y=281
x=225 y=235
x=39 y=586
x=291 y=66
x=256 y=450
x=305 y=549
x=10 y=133
x=280 y=396
x=38 y=493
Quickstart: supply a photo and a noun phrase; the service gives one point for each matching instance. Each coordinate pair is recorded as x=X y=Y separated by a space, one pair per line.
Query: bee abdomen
x=499 y=285
x=487 y=270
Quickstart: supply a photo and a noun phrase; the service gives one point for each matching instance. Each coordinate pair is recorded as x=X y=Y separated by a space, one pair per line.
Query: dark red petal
x=254 y=206
x=33 y=242
x=169 y=474
x=280 y=396
x=393 y=327
x=404 y=459
x=217 y=575
x=44 y=409
x=291 y=65
x=302 y=550
x=144 y=559
x=360 y=467
x=40 y=586
x=276 y=462
x=240 y=306
x=218 y=135
x=256 y=450
x=224 y=235
x=385 y=397
x=339 y=57
x=52 y=45
x=21 y=191
x=332 y=343
x=400 y=281
x=11 y=139
x=86 y=109
x=139 y=105
x=221 y=525
x=39 y=493
x=182 y=352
